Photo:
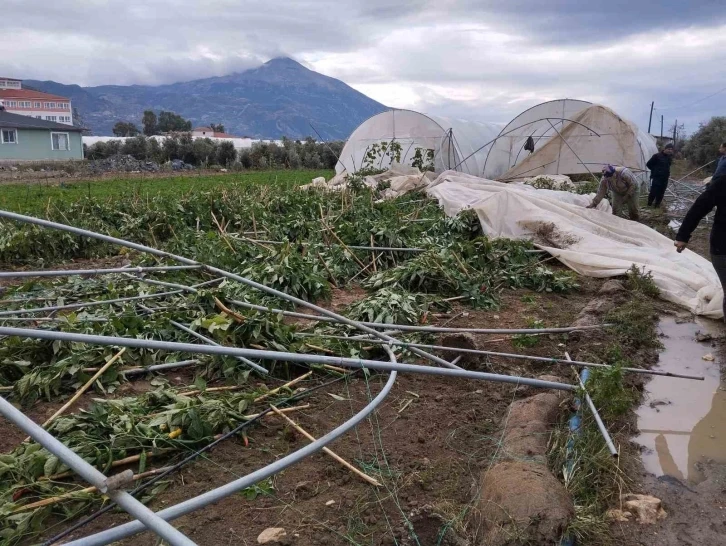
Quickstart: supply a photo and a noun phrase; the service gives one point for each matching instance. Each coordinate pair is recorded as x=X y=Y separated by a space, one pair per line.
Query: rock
x=527 y=426
x=708 y=358
x=617 y=515
x=647 y=509
x=523 y=499
x=223 y=170
x=612 y=287
x=330 y=503
x=272 y=535
x=703 y=336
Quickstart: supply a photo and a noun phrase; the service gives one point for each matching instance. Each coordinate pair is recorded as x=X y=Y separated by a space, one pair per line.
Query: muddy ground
x=428 y=443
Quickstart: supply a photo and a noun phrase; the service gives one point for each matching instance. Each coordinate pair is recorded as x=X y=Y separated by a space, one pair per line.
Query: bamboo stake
x=83 y=389
x=321 y=349
x=236 y=316
x=340 y=241
x=71 y=494
x=373 y=256
x=330 y=273
x=285 y=410
x=338 y=458
x=223 y=234
x=213 y=389
x=285 y=386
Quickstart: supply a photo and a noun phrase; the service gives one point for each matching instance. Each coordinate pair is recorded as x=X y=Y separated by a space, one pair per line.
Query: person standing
x=660 y=172
x=721 y=162
x=623 y=186
x=713 y=196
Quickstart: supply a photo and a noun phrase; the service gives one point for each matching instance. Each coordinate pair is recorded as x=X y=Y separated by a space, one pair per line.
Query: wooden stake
x=236 y=316
x=335 y=236
x=286 y=410
x=285 y=386
x=373 y=255
x=330 y=273
x=71 y=494
x=83 y=389
x=338 y=458
x=223 y=234
x=322 y=349
x=214 y=389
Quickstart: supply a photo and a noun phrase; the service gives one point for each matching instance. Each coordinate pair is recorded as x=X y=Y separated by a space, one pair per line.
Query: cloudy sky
x=474 y=59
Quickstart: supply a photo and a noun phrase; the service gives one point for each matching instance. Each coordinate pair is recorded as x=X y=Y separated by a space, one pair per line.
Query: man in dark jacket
x=721 y=162
x=660 y=172
x=713 y=196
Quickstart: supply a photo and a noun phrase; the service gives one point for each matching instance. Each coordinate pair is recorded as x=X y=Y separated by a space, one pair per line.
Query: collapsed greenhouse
x=567 y=137
x=419 y=140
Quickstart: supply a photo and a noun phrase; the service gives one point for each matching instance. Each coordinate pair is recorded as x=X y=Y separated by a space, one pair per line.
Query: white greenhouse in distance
x=567 y=136
x=440 y=142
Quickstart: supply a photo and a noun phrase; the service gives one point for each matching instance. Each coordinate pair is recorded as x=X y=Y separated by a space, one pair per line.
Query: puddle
x=683 y=422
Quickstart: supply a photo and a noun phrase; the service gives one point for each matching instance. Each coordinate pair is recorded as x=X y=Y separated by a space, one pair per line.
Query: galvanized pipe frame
x=146 y=518
x=232 y=487
x=92 y=272
x=276 y=356
x=216 y=271
x=432 y=329
x=219 y=493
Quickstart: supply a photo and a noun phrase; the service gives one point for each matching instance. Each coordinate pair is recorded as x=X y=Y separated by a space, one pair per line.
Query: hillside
x=279 y=98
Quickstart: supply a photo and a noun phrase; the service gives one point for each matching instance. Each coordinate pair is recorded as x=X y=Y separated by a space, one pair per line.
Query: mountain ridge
x=278 y=98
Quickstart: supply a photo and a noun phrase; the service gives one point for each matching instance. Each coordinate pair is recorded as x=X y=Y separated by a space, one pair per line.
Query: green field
x=34 y=195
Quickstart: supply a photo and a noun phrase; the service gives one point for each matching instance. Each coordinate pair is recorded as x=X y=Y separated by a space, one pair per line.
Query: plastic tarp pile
x=593 y=243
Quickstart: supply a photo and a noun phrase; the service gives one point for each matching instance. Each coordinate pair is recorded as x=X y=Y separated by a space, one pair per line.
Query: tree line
x=292 y=154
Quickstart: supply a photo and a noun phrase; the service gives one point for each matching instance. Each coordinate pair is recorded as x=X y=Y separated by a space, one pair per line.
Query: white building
x=27 y=102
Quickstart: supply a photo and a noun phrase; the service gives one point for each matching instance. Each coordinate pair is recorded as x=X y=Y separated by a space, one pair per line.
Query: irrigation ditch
x=206 y=388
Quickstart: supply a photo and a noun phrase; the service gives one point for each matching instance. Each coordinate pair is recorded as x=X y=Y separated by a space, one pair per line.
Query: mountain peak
x=283 y=62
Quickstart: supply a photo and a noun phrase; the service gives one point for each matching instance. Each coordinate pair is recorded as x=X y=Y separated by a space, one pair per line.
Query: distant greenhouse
x=419 y=140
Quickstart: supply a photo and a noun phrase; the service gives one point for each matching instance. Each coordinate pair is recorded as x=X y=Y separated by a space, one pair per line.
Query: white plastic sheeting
x=453 y=141
x=593 y=243
x=572 y=146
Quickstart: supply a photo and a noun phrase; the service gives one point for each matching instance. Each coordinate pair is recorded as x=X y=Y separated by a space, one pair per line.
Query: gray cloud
x=475 y=59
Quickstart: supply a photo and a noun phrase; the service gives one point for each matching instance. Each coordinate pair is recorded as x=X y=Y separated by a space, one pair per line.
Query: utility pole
x=650 y=119
x=661 y=127
x=675 y=129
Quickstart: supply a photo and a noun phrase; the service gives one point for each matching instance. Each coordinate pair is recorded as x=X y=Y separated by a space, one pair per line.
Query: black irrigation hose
x=191 y=457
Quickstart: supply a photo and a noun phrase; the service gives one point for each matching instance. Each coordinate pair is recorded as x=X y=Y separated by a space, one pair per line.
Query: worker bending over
x=623 y=186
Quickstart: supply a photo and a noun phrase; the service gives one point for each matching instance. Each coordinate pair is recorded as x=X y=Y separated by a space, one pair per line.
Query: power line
x=694 y=102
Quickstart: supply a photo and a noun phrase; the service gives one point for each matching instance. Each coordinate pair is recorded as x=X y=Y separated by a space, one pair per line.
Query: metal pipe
x=515 y=356
x=147 y=518
x=438 y=329
x=227 y=274
x=87 y=304
x=604 y=431
x=573 y=151
x=516 y=128
x=276 y=355
x=68 y=272
x=104 y=302
x=159 y=367
x=208 y=341
x=215 y=495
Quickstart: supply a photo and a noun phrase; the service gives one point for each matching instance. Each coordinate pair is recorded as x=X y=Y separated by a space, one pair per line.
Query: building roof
x=16 y=121
x=214 y=134
x=29 y=94
x=9 y=79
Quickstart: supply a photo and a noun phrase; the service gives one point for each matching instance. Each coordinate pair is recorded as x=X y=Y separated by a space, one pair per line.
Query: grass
x=594 y=478
x=34 y=195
